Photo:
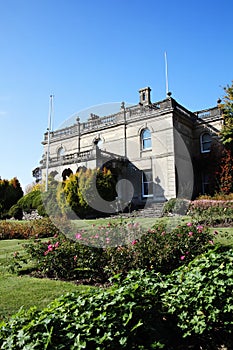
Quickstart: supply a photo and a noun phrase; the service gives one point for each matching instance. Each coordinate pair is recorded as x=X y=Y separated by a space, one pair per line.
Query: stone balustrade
x=69 y=158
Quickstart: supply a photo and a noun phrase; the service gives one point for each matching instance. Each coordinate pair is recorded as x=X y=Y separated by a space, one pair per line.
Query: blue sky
x=92 y=52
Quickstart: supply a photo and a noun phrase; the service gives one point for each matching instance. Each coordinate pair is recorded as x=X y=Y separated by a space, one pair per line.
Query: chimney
x=145 y=96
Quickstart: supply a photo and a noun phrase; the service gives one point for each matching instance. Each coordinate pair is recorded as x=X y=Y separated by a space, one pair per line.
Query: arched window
x=66 y=173
x=60 y=152
x=205 y=142
x=146 y=139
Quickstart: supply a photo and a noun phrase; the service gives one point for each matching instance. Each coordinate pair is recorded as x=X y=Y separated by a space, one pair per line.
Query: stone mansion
x=153 y=145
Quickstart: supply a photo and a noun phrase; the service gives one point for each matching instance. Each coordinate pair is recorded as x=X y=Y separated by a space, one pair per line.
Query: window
x=205 y=183
x=146 y=139
x=60 y=153
x=147 y=183
x=205 y=142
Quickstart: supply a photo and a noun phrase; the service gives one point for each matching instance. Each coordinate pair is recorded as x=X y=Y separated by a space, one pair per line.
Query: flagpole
x=48 y=143
x=166 y=72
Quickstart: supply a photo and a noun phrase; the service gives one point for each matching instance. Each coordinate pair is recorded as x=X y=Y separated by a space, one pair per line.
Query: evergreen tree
x=10 y=193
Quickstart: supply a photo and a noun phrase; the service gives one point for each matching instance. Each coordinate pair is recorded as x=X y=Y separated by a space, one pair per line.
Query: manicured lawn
x=144 y=222
x=17 y=291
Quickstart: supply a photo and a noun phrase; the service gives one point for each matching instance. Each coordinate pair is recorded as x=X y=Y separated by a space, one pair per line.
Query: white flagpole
x=48 y=144
x=166 y=72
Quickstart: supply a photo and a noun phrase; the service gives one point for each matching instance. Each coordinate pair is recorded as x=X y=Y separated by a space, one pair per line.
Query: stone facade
x=152 y=145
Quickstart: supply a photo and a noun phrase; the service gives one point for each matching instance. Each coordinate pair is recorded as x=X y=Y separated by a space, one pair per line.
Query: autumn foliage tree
x=224 y=173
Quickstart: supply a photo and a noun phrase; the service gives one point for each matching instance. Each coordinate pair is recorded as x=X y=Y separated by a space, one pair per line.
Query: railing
x=62 y=132
x=92 y=124
x=209 y=113
x=69 y=158
x=133 y=112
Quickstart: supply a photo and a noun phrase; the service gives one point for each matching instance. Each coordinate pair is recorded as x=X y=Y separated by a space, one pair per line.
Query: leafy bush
x=176 y=206
x=212 y=212
x=200 y=294
x=146 y=310
x=91 y=255
x=30 y=201
x=22 y=230
x=16 y=212
x=164 y=250
x=217 y=196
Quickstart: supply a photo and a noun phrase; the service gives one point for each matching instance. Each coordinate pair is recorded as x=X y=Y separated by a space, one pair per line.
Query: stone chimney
x=145 y=96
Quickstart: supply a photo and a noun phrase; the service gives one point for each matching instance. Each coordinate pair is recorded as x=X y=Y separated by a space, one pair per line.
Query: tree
x=80 y=194
x=224 y=166
x=10 y=193
x=227 y=113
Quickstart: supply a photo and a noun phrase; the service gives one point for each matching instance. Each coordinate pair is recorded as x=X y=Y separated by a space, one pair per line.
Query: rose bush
x=90 y=254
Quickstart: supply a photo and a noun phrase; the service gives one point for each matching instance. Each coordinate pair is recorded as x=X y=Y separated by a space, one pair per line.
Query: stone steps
x=155 y=210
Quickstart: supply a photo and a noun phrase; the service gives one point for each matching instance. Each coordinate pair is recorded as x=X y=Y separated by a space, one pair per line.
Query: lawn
x=23 y=291
x=17 y=291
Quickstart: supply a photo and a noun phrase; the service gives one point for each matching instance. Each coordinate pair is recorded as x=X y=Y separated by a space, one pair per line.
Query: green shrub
x=164 y=250
x=176 y=206
x=30 y=201
x=24 y=229
x=90 y=254
x=16 y=212
x=200 y=294
x=212 y=212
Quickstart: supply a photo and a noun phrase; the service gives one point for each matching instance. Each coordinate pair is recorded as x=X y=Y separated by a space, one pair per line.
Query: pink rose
x=78 y=236
x=50 y=247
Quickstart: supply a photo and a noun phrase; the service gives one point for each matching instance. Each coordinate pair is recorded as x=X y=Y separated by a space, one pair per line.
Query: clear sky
x=92 y=52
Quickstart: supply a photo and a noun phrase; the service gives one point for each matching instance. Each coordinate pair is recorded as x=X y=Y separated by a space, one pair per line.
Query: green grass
x=144 y=222
x=23 y=291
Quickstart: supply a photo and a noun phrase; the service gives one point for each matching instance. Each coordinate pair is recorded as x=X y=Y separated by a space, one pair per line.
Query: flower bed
x=22 y=230
x=83 y=257
x=212 y=212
